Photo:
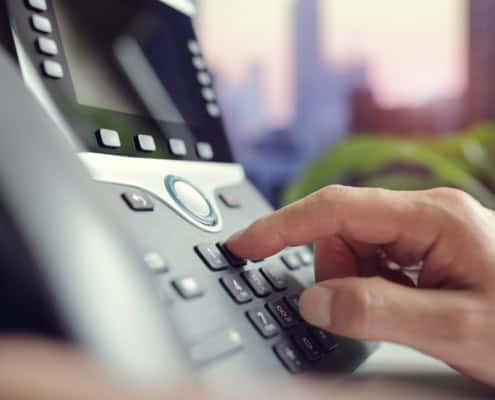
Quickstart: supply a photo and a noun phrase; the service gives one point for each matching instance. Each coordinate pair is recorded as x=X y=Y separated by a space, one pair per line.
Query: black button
x=188 y=288
x=237 y=289
x=292 y=261
x=212 y=256
x=156 y=263
x=230 y=200
x=204 y=151
x=306 y=256
x=282 y=313
x=138 y=201
x=293 y=302
x=326 y=340
x=289 y=356
x=276 y=276
x=232 y=258
x=256 y=281
x=108 y=138
x=263 y=322
x=308 y=346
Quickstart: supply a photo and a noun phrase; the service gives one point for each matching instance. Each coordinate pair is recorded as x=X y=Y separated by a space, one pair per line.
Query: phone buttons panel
x=191 y=200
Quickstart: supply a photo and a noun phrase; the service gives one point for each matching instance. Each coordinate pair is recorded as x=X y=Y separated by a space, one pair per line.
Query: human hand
x=450 y=315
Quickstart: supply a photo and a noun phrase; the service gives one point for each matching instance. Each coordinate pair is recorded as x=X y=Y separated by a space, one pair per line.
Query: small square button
x=306 y=256
x=198 y=62
x=276 y=275
x=204 y=151
x=41 y=24
x=213 y=110
x=146 y=143
x=188 y=288
x=204 y=78
x=47 y=46
x=108 y=138
x=138 y=201
x=53 y=69
x=208 y=94
x=194 y=47
x=156 y=263
x=230 y=200
x=292 y=261
x=177 y=147
x=38 y=5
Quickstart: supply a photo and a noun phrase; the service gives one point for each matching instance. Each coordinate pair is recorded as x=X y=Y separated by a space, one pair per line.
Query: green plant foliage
x=465 y=161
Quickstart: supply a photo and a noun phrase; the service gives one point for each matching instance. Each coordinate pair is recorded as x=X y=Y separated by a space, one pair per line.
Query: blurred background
x=368 y=93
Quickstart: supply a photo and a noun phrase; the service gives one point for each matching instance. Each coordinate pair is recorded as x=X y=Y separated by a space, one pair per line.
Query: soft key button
x=38 y=5
x=191 y=200
x=41 y=24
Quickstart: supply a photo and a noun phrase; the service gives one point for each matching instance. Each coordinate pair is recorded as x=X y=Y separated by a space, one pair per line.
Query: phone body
x=130 y=89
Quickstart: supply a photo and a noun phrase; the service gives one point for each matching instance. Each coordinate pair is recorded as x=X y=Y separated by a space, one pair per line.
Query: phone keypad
x=274 y=314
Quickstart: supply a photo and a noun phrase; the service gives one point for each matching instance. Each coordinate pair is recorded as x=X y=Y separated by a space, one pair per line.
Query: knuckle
x=463 y=324
x=453 y=197
x=330 y=193
x=362 y=302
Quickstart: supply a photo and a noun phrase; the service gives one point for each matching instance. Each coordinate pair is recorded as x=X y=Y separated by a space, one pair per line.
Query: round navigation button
x=191 y=200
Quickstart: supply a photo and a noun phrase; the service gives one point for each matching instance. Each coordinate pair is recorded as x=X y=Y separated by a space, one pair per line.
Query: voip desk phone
x=128 y=85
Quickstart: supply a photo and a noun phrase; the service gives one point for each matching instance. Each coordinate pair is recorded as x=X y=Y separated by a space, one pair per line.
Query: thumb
x=378 y=310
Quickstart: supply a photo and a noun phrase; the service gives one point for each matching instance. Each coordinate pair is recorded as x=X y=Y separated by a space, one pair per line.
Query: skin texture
x=447 y=312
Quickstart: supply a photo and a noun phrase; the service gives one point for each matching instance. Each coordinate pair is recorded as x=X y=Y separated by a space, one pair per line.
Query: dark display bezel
x=86 y=120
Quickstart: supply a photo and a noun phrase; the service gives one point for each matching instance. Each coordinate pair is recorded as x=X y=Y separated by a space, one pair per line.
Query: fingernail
x=316 y=306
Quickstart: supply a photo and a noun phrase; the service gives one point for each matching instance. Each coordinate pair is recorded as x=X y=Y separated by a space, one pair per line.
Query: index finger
x=373 y=216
